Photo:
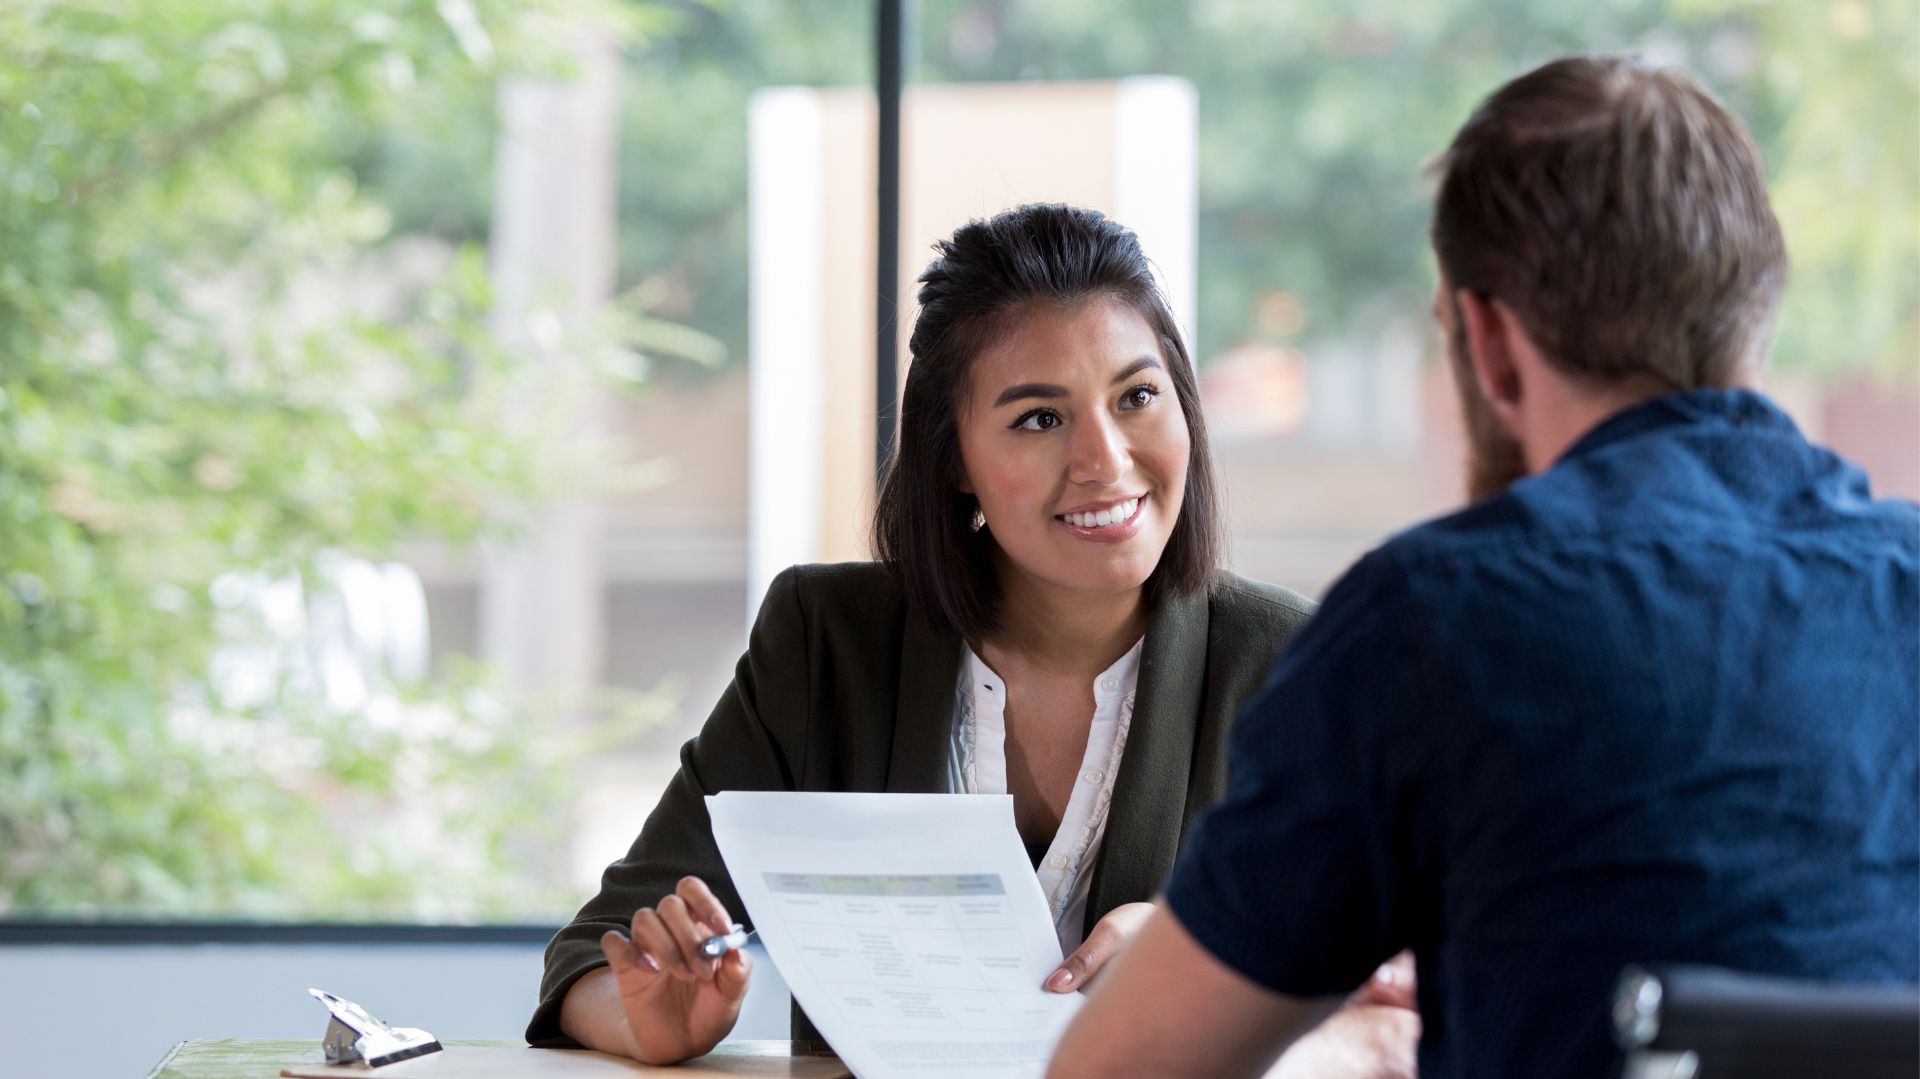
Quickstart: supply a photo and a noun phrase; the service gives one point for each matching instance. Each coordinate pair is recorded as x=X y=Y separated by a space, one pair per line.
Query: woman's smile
x=1111 y=522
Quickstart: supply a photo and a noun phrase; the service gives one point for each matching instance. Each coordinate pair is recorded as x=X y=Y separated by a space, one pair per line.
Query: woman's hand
x=1110 y=934
x=678 y=1003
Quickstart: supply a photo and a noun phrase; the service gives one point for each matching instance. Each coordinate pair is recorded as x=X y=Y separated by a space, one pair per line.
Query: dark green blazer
x=844 y=687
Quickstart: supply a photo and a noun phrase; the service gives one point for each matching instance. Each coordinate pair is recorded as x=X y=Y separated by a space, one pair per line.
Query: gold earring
x=979 y=520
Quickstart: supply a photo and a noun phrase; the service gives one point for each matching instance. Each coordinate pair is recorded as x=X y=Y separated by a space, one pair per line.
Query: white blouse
x=978 y=765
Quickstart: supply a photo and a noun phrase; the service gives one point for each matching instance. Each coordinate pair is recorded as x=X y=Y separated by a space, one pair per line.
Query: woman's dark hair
x=972 y=295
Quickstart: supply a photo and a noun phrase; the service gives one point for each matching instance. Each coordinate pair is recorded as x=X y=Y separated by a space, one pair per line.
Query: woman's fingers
x=1109 y=935
x=732 y=977
x=651 y=936
x=669 y=936
x=678 y=919
x=703 y=906
x=710 y=917
x=1072 y=972
x=632 y=967
x=665 y=1021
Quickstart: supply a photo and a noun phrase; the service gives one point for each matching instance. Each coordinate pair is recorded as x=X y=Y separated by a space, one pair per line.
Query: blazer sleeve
x=754 y=739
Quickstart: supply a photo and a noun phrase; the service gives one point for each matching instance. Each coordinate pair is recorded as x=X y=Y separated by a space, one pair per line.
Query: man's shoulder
x=1589 y=511
x=1537 y=540
x=1555 y=506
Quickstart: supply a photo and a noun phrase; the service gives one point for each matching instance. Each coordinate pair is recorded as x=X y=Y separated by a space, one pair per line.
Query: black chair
x=1683 y=1022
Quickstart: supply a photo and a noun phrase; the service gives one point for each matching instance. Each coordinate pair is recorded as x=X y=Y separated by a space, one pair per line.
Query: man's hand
x=1110 y=934
x=1166 y=1006
x=1360 y=1041
x=677 y=1002
x=1393 y=984
x=1375 y=1036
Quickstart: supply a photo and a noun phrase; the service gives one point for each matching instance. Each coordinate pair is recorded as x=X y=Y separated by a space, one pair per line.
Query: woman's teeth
x=1117 y=515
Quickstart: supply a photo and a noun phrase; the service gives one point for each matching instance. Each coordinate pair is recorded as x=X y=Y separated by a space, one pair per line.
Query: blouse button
x=1059 y=861
x=1109 y=683
x=1094 y=776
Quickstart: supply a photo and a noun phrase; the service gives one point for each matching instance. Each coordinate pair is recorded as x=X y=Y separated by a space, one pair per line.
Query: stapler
x=354 y=1037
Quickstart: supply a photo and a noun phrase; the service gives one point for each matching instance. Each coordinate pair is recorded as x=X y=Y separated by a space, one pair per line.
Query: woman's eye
x=1139 y=397
x=1040 y=419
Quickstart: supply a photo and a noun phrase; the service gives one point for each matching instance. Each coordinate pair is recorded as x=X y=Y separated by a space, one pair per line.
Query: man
x=1654 y=702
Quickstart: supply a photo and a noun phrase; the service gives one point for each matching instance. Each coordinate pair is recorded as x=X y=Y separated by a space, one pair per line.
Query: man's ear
x=1488 y=327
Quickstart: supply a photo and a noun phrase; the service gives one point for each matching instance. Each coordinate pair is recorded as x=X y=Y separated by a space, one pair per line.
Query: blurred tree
x=683 y=162
x=1315 y=121
x=1834 y=90
x=213 y=394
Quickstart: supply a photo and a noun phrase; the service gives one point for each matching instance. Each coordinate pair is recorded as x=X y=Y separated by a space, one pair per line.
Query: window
x=376 y=515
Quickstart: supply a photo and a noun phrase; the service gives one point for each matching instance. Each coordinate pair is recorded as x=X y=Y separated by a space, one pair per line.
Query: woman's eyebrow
x=1135 y=368
x=1028 y=389
x=1047 y=391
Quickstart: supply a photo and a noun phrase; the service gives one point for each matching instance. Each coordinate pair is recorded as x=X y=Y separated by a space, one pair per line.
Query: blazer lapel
x=1149 y=806
x=923 y=715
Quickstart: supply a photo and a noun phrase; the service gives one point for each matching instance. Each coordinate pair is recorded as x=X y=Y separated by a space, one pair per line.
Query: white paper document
x=909 y=926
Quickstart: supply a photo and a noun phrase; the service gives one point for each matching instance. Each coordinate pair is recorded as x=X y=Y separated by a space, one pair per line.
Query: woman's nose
x=1100 y=454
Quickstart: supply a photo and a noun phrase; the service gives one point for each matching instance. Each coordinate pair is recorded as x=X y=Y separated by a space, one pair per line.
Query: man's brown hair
x=1622 y=214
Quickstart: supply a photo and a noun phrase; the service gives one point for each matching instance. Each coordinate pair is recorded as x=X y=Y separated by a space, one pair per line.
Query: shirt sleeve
x=1303 y=878
x=751 y=741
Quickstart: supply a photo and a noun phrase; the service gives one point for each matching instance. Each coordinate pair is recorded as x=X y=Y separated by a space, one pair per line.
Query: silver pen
x=716 y=946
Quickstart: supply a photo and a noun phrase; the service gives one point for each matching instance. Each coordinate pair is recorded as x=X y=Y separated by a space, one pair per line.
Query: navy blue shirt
x=1657 y=704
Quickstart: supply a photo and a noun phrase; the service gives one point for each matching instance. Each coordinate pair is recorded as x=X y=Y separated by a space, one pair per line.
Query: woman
x=1047 y=619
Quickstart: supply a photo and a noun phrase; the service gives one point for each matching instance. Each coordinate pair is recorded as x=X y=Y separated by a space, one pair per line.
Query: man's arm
x=1300 y=880
x=1166 y=1006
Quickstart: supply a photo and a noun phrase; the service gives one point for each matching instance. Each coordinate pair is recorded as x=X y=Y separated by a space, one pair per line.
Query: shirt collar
x=1733 y=408
x=1118 y=680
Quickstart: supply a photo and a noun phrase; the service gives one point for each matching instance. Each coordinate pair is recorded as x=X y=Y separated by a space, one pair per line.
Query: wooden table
x=235 y=1059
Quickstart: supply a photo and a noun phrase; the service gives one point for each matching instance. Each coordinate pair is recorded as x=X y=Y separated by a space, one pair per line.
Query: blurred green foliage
x=188 y=409
x=1315 y=121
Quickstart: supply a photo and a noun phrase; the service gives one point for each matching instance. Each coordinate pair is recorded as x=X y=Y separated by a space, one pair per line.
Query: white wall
x=112 y=1012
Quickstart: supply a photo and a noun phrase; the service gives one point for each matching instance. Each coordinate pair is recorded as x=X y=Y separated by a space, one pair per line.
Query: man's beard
x=1494 y=460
